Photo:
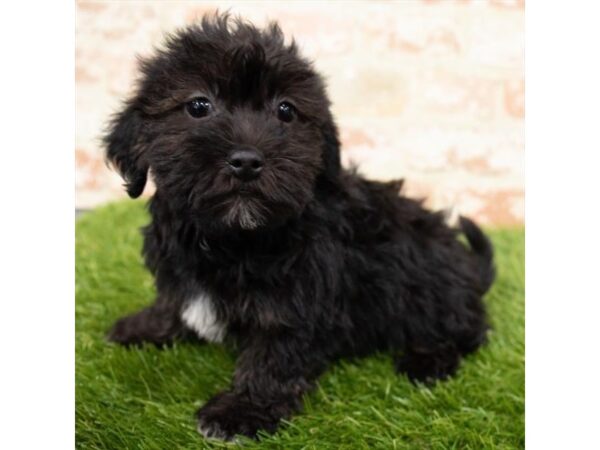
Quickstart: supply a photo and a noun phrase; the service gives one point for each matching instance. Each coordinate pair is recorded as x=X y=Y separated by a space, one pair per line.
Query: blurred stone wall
x=428 y=90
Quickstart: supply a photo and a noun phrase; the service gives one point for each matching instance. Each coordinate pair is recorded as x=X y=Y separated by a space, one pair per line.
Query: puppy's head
x=232 y=122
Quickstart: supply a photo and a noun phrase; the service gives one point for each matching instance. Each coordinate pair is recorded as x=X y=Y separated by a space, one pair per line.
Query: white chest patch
x=199 y=315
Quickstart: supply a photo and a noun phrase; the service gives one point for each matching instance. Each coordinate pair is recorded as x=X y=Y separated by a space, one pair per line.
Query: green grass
x=146 y=398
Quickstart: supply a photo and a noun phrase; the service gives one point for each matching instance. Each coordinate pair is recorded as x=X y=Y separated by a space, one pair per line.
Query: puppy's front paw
x=126 y=331
x=227 y=415
x=158 y=326
x=427 y=368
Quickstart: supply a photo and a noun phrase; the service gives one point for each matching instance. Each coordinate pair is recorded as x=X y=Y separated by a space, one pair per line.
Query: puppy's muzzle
x=246 y=163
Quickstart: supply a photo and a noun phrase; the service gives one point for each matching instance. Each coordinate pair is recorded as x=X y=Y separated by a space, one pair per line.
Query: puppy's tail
x=482 y=248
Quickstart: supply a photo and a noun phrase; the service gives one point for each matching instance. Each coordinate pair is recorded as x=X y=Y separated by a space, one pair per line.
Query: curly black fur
x=301 y=266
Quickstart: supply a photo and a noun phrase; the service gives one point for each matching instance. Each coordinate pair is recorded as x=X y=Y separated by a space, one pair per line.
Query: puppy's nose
x=246 y=164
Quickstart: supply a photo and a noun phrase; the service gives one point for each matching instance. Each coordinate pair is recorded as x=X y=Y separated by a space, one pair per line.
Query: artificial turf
x=145 y=398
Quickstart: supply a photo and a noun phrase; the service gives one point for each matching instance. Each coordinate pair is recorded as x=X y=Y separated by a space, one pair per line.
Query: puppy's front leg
x=272 y=374
x=158 y=324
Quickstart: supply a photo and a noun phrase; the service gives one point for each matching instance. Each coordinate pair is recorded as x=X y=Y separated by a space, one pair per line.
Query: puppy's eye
x=286 y=112
x=199 y=107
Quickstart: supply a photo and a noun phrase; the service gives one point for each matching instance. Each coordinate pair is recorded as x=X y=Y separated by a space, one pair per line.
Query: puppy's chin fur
x=245 y=214
x=359 y=269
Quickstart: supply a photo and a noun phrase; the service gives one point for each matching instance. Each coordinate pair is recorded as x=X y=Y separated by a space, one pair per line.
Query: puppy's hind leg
x=428 y=365
x=159 y=324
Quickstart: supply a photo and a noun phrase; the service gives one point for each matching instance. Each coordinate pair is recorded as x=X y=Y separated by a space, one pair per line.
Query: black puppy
x=259 y=236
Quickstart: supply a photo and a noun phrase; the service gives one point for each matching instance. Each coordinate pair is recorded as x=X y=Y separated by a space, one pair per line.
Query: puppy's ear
x=331 y=149
x=125 y=149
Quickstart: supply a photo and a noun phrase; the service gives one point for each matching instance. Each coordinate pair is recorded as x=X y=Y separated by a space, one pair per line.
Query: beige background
x=428 y=90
